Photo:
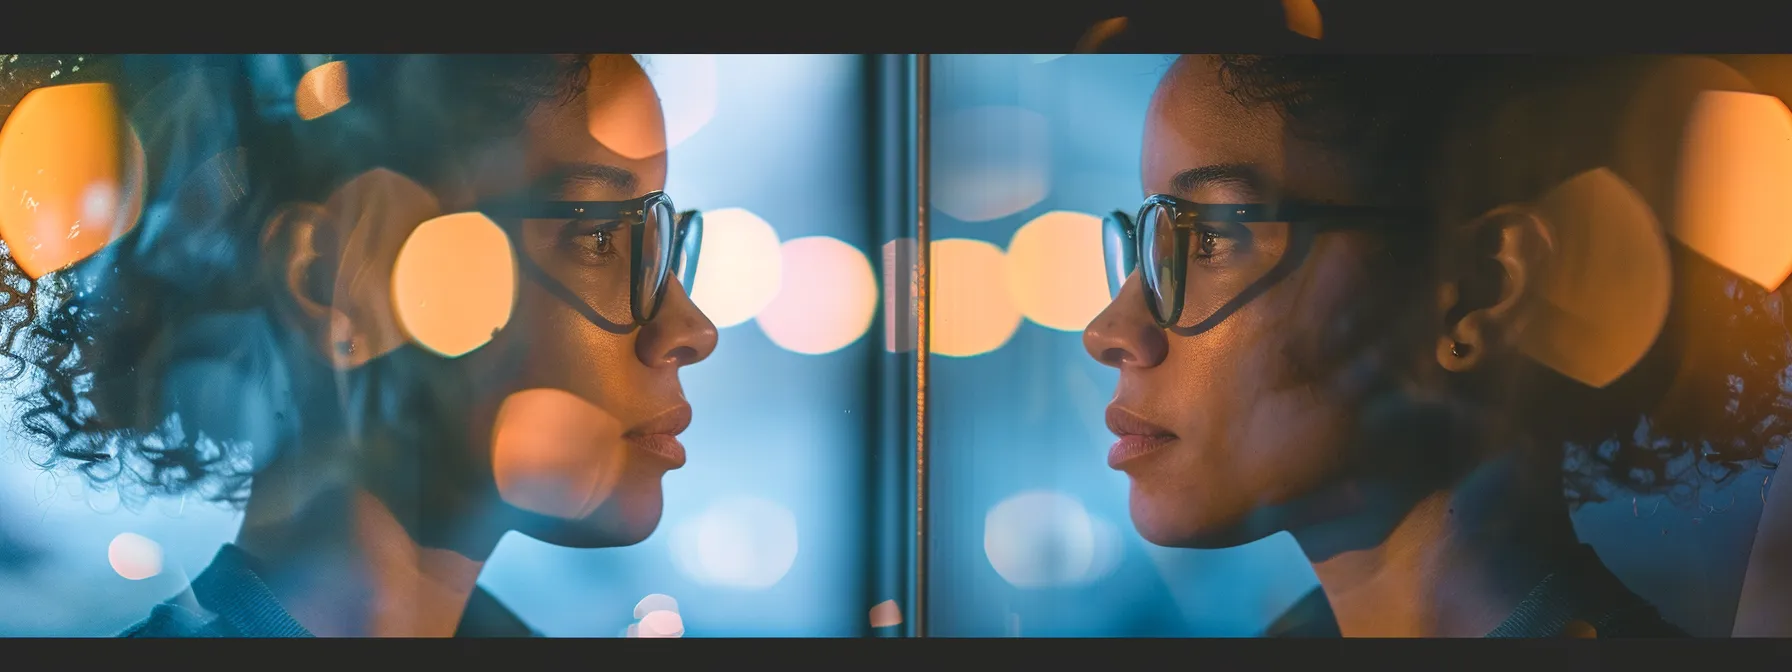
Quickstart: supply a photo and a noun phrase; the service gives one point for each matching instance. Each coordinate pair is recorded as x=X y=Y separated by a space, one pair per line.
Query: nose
x=1124 y=334
x=681 y=335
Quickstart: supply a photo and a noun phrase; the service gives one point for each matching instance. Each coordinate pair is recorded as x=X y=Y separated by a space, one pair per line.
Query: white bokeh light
x=1042 y=539
x=653 y=603
x=688 y=86
x=741 y=268
x=993 y=162
x=743 y=542
x=826 y=300
x=135 y=556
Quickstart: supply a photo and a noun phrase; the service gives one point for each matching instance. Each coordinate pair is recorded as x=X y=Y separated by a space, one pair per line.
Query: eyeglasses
x=1240 y=254
x=565 y=245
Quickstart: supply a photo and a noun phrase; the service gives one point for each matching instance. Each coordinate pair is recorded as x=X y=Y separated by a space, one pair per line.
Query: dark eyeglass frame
x=1123 y=246
x=685 y=241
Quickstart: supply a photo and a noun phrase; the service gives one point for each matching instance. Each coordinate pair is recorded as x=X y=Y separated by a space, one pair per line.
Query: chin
x=1184 y=523
x=628 y=518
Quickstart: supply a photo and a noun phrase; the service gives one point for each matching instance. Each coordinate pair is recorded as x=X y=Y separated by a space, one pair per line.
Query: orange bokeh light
x=970 y=309
x=322 y=90
x=555 y=454
x=1056 y=272
x=71 y=176
x=1735 y=172
x=454 y=283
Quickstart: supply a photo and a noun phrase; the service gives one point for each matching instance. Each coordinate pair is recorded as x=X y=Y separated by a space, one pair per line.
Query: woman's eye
x=603 y=241
x=1209 y=241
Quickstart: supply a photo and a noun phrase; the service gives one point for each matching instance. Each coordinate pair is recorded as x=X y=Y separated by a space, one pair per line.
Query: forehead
x=1195 y=124
x=607 y=144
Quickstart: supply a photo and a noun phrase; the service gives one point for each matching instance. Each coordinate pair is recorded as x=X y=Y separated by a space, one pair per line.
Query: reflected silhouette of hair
x=91 y=343
x=1391 y=112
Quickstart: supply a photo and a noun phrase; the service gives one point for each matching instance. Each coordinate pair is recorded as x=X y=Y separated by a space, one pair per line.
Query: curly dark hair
x=92 y=340
x=1726 y=415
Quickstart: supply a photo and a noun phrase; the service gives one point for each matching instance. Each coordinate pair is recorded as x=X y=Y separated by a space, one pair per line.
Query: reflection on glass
x=336 y=348
x=1415 y=340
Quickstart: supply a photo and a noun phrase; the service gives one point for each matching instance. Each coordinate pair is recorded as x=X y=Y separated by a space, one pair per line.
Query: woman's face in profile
x=576 y=409
x=1250 y=417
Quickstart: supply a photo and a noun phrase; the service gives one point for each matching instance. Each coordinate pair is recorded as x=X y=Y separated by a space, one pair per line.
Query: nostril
x=1114 y=356
x=681 y=355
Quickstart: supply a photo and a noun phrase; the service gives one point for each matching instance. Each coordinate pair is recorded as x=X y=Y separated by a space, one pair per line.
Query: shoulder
x=174 y=621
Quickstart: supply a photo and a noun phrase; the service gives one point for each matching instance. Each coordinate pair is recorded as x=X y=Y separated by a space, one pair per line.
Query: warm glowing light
x=742 y=267
x=322 y=90
x=826 y=300
x=900 y=295
x=687 y=85
x=1040 y=539
x=740 y=543
x=653 y=603
x=661 y=624
x=1735 y=185
x=1099 y=34
x=1605 y=296
x=1303 y=18
x=991 y=162
x=623 y=111
x=135 y=556
x=71 y=176
x=971 y=310
x=454 y=283
x=886 y=614
x=555 y=454
x=1056 y=272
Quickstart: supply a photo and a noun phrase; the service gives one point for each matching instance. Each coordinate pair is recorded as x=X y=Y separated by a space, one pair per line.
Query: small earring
x=1459 y=349
x=345 y=348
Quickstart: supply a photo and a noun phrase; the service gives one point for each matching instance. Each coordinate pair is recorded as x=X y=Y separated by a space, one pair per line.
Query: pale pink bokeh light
x=826 y=300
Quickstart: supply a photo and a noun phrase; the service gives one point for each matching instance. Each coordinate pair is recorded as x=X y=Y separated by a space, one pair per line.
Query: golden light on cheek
x=454 y=283
x=555 y=454
x=1056 y=270
x=71 y=176
x=971 y=312
x=322 y=90
x=623 y=113
x=1735 y=185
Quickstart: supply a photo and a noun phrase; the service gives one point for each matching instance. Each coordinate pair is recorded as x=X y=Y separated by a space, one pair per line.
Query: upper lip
x=671 y=422
x=1123 y=422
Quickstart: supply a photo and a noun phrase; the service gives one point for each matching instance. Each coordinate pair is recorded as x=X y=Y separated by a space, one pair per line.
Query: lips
x=658 y=437
x=1138 y=438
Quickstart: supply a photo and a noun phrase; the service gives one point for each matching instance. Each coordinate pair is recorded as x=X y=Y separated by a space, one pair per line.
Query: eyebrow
x=1244 y=177
x=620 y=179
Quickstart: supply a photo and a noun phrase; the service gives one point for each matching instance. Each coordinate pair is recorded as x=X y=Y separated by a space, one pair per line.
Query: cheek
x=550 y=345
x=555 y=454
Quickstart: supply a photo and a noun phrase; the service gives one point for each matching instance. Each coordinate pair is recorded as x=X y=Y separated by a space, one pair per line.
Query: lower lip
x=664 y=448
x=1134 y=447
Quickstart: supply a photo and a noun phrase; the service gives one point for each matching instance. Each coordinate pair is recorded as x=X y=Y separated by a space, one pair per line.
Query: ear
x=292 y=243
x=1499 y=256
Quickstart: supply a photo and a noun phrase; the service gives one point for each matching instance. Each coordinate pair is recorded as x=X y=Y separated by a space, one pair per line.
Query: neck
x=1455 y=562
x=344 y=565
